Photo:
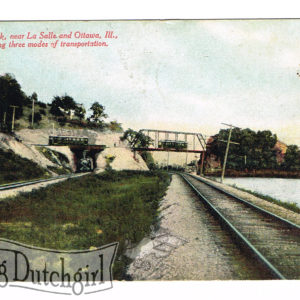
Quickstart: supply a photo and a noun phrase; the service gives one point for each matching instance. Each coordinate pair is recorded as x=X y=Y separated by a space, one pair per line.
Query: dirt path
x=189 y=245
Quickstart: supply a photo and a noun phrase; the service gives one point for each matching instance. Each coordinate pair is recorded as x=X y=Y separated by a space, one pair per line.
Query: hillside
x=32 y=151
x=22 y=161
x=48 y=120
x=13 y=168
x=26 y=124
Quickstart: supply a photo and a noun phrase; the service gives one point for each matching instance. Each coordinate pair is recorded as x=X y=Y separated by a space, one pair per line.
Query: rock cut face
x=119 y=159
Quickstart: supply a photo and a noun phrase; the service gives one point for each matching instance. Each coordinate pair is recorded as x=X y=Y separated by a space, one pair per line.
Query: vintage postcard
x=155 y=150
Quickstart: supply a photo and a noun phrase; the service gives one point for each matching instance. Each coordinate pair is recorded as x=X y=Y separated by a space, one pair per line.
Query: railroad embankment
x=25 y=150
x=16 y=168
x=24 y=161
x=272 y=207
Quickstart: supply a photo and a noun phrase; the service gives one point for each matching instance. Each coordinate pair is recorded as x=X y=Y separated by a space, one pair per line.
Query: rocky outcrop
x=119 y=159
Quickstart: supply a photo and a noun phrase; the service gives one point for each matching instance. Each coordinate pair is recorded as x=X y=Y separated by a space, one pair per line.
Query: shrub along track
x=274 y=241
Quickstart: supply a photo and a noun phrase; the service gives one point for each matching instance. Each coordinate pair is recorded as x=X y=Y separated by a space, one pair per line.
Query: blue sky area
x=176 y=75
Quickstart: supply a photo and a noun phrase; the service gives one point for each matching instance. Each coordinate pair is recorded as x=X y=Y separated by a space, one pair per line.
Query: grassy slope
x=90 y=211
x=46 y=122
x=16 y=168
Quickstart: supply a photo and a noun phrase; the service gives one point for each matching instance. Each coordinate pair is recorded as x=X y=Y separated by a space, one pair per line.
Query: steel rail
x=243 y=240
x=5 y=187
x=247 y=203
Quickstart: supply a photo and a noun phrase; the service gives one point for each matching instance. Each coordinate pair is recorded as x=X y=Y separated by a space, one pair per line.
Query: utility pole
x=3 y=124
x=13 y=118
x=227 y=149
x=168 y=162
x=186 y=158
x=202 y=162
x=32 y=113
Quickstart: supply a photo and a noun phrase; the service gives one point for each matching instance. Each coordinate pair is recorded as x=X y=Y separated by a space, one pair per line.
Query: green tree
x=36 y=118
x=68 y=104
x=34 y=97
x=136 y=138
x=129 y=136
x=254 y=151
x=98 y=112
x=80 y=112
x=62 y=106
x=115 y=126
x=292 y=158
x=10 y=94
x=55 y=107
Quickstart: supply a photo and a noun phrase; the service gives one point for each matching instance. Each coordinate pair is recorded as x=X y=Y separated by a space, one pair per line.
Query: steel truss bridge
x=196 y=142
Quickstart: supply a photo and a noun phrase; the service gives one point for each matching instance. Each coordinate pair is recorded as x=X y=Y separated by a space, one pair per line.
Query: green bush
x=148 y=158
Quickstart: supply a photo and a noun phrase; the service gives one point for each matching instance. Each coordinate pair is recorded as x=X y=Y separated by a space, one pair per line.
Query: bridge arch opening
x=85 y=157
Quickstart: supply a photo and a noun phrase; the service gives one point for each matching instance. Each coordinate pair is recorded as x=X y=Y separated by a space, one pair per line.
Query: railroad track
x=272 y=240
x=5 y=187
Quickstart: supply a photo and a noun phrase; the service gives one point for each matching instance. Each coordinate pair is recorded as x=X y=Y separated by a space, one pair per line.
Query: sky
x=173 y=75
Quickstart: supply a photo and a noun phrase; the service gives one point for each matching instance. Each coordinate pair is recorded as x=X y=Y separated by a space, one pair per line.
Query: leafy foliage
x=37 y=117
x=254 y=151
x=61 y=109
x=98 y=112
x=62 y=105
x=80 y=112
x=136 y=138
x=115 y=126
x=292 y=158
x=10 y=94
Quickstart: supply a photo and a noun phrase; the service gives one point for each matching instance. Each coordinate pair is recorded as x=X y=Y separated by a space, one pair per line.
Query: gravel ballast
x=189 y=244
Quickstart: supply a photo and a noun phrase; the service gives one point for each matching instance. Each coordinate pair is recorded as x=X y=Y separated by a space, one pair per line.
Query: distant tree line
x=63 y=109
x=256 y=150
